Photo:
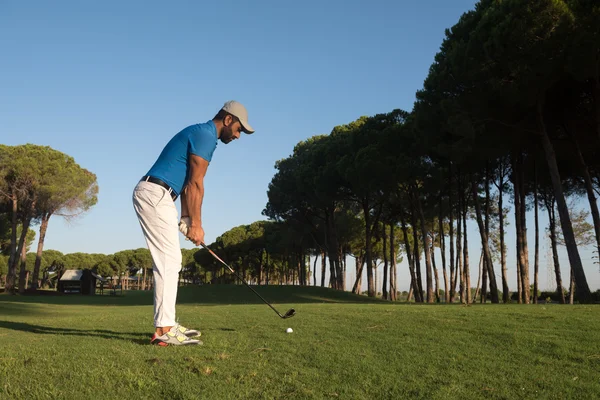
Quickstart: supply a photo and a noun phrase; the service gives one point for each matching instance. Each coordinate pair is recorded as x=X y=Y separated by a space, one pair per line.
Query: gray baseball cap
x=237 y=109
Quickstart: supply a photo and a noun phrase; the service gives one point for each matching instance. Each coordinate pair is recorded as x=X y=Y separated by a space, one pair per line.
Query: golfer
x=179 y=171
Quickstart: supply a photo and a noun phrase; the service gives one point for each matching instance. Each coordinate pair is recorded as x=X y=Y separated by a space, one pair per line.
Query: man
x=180 y=170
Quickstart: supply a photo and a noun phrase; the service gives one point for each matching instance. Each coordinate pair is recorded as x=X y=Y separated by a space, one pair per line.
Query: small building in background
x=82 y=281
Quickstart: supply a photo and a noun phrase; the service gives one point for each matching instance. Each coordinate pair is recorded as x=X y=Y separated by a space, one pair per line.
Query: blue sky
x=110 y=82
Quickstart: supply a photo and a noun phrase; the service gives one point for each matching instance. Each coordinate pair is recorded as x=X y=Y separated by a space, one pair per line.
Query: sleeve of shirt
x=202 y=143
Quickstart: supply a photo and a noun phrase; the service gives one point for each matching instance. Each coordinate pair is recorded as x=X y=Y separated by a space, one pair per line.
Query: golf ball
x=289 y=330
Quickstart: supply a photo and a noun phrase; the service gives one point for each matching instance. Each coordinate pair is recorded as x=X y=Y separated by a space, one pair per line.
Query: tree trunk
x=572 y=288
x=481 y=269
x=261 y=267
x=596 y=93
x=443 y=252
x=375 y=276
x=268 y=269
x=459 y=274
x=552 y=221
x=505 y=290
x=417 y=254
x=525 y=284
x=301 y=268
x=435 y=274
x=459 y=252
x=332 y=246
x=332 y=268
x=486 y=247
x=13 y=239
x=517 y=195
x=484 y=269
x=340 y=263
x=384 y=291
x=298 y=258
x=23 y=270
x=40 y=248
x=452 y=288
x=343 y=274
x=315 y=270
x=537 y=236
x=466 y=269
x=484 y=282
x=368 y=248
x=411 y=265
x=519 y=283
x=393 y=286
x=583 y=291
x=359 y=272
x=296 y=272
x=22 y=246
x=11 y=275
x=426 y=246
x=323 y=267
x=305 y=260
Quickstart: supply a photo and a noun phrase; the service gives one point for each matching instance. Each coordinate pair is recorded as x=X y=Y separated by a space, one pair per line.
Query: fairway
x=343 y=346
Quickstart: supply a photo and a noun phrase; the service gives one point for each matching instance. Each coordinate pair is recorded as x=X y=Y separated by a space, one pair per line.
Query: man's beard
x=226 y=136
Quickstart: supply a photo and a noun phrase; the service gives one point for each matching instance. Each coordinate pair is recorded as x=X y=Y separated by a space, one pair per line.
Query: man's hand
x=196 y=234
x=184 y=227
x=184 y=223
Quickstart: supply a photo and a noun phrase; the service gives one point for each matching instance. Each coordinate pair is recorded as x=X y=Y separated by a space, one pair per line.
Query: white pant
x=158 y=218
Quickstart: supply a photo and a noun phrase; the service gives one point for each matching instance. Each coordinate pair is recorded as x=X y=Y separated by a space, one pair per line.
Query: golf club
x=290 y=313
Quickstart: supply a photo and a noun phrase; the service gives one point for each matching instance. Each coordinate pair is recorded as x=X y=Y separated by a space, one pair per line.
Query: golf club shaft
x=240 y=278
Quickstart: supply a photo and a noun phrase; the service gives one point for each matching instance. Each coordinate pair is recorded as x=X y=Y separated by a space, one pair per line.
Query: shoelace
x=178 y=334
x=180 y=327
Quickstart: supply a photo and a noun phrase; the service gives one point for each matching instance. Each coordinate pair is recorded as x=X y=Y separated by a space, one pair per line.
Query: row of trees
x=37 y=182
x=260 y=252
x=53 y=263
x=263 y=252
x=510 y=108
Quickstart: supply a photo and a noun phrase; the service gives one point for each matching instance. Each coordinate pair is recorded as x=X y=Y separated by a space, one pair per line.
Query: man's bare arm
x=194 y=195
x=184 y=207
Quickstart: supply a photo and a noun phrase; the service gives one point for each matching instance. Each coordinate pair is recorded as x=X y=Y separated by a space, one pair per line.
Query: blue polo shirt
x=172 y=163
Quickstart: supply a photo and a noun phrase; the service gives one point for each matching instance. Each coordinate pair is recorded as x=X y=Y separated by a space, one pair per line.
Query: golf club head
x=290 y=313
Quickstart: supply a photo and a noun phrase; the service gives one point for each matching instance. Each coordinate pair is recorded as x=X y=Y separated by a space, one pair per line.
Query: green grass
x=343 y=346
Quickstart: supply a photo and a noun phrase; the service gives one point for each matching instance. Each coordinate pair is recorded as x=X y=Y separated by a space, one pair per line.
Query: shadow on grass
x=18 y=309
x=134 y=337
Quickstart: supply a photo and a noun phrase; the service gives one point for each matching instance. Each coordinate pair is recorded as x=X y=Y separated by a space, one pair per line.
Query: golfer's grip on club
x=183 y=228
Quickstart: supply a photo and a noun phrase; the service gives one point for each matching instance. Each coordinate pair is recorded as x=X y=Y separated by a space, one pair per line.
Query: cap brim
x=246 y=127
